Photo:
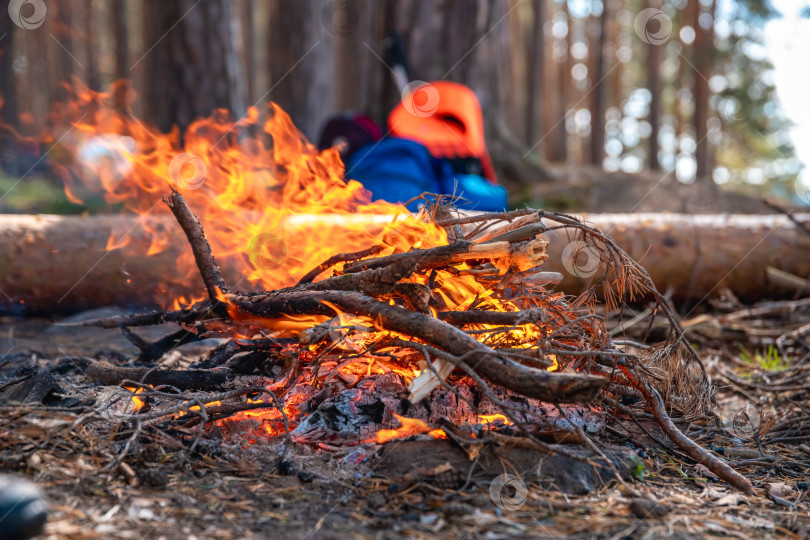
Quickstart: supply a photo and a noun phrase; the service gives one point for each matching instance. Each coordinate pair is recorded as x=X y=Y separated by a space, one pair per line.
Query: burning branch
x=199 y=245
x=531 y=382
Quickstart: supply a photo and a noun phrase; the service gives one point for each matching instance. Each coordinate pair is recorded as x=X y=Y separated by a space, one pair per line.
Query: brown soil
x=239 y=487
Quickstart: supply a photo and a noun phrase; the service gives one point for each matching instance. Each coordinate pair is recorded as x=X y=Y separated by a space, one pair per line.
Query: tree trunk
x=195 y=62
x=92 y=42
x=387 y=92
x=35 y=92
x=598 y=86
x=654 y=86
x=246 y=14
x=54 y=264
x=535 y=70
x=558 y=134
x=301 y=67
x=704 y=53
x=118 y=21
x=613 y=30
x=8 y=90
x=60 y=43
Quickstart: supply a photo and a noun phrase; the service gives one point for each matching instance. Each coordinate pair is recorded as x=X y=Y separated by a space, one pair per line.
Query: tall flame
x=272 y=205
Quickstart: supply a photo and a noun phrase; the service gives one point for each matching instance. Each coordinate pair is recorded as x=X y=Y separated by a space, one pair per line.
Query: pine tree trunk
x=614 y=30
x=92 y=42
x=60 y=42
x=118 y=21
x=535 y=71
x=301 y=67
x=194 y=68
x=247 y=11
x=558 y=133
x=703 y=55
x=654 y=86
x=598 y=86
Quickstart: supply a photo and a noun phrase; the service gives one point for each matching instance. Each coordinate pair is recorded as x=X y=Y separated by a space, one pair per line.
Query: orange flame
x=409 y=427
x=270 y=202
x=137 y=402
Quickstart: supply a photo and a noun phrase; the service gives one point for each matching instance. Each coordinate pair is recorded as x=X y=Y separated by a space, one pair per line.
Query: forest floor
x=232 y=487
x=591 y=189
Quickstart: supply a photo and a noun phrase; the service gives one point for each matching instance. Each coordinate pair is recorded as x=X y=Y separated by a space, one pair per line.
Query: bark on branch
x=199 y=245
x=497 y=368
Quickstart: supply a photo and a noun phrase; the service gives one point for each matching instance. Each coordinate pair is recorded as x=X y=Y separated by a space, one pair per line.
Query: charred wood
x=108 y=374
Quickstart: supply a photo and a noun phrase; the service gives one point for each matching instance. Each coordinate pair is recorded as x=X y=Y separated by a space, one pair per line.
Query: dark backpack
x=397 y=170
x=349 y=132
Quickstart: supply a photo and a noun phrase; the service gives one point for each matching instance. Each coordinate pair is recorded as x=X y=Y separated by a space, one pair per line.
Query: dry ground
x=235 y=488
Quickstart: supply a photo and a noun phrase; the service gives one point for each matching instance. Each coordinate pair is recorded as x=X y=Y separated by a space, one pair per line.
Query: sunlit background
x=700 y=92
x=787 y=42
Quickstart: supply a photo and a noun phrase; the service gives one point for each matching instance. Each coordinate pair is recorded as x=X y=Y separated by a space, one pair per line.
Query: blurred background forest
x=606 y=91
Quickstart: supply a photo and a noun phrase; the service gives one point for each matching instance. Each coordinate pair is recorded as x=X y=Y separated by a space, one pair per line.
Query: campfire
x=341 y=321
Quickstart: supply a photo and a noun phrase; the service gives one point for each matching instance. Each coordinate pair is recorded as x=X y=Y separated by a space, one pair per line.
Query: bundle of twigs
x=503 y=250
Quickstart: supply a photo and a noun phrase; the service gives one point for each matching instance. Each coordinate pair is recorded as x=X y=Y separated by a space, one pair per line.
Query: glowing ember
x=494 y=418
x=137 y=402
x=409 y=427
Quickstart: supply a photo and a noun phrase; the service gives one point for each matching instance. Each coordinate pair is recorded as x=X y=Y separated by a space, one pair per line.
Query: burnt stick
x=500 y=318
x=203 y=256
x=488 y=216
x=152 y=318
x=108 y=374
x=438 y=257
x=659 y=411
x=339 y=258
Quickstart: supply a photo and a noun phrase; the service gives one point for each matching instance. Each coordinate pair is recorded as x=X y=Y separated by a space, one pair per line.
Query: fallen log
x=51 y=264
x=695 y=256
